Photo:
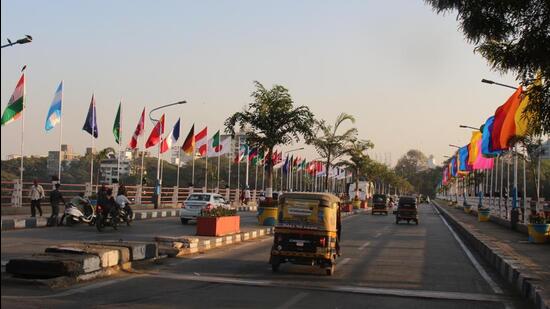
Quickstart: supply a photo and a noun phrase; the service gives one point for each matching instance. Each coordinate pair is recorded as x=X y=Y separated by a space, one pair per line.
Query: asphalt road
x=27 y=241
x=383 y=265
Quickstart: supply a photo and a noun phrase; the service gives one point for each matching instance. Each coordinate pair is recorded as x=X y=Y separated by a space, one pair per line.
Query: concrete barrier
x=52 y=265
x=108 y=256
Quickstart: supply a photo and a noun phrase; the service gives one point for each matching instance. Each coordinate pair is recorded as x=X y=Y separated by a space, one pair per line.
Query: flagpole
x=119 y=143
x=179 y=163
x=247 y=159
x=206 y=167
x=239 y=168
x=229 y=174
x=263 y=175
x=22 y=141
x=218 y=177
x=60 y=136
x=193 y=168
x=142 y=154
x=256 y=179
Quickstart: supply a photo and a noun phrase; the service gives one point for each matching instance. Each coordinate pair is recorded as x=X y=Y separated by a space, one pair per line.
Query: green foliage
x=271 y=120
x=413 y=167
x=538 y=219
x=218 y=212
x=331 y=145
x=514 y=36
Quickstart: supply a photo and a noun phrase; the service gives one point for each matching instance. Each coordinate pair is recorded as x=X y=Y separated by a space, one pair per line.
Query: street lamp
x=454 y=146
x=25 y=40
x=486 y=81
x=159 y=182
x=469 y=127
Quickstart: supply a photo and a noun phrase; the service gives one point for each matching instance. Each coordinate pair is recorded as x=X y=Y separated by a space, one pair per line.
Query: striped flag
x=16 y=104
x=189 y=145
x=140 y=128
x=158 y=130
x=201 y=141
x=171 y=139
x=54 y=113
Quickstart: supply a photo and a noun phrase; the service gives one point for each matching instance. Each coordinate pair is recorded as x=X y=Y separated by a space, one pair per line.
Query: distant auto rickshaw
x=406 y=210
x=380 y=204
x=308 y=231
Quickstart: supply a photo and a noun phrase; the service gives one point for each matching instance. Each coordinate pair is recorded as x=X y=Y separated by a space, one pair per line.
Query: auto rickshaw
x=406 y=210
x=308 y=231
x=380 y=204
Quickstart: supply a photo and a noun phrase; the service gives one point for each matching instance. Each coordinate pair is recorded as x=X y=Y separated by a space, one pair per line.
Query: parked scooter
x=73 y=214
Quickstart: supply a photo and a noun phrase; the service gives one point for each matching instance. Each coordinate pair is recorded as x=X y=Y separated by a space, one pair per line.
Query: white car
x=196 y=202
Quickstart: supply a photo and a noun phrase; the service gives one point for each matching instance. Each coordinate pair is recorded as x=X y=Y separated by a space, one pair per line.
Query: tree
x=358 y=159
x=514 y=36
x=411 y=163
x=271 y=120
x=331 y=145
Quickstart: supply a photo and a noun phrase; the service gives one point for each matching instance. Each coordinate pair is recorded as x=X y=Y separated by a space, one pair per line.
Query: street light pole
x=158 y=183
x=25 y=40
x=490 y=82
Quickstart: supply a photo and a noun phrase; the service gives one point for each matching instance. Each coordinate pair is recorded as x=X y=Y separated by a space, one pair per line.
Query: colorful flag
x=138 y=131
x=252 y=155
x=463 y=153
x=171 y=139
x=188 y=146
x=90 y=125
x=454 y=167
x=508 y=130
x=486 y=141
x=481 y=162
x=116 y=125
x=223 y=147
x=16 y=104
x=201 y=141
x=286 y=166
x=54 y=113
x=215 y=141
x=243 y=151
x=156 y=133
x=474 y=149
x=503 y=126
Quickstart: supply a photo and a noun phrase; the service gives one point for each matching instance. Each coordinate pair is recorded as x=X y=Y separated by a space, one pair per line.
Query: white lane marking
x=343 y=262
x=340 y=288
x=377 y=235
x=363 y=246
x=472 y=259
x=294 y=300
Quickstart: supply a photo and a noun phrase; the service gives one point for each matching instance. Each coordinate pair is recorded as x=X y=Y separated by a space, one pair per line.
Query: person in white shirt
x=123 y=202
x=36 y=194
x=246 y=195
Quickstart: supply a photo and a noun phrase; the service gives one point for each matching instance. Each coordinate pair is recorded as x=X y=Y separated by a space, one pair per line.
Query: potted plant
x=356 y=203
x=267 y=212
x=218 y=221
x=538 y=228
x=467 y=207
x=346 y=206
x=483 y=214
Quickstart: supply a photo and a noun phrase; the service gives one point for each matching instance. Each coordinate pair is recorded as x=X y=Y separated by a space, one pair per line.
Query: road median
x=519 y=270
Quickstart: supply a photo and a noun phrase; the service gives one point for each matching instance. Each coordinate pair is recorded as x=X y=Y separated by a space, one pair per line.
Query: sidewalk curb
x=16 y=224
x=523 y=280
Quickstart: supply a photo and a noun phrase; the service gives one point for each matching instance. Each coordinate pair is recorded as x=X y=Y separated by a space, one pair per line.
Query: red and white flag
x=201 y=141
x=138 y=131
x=158 y=130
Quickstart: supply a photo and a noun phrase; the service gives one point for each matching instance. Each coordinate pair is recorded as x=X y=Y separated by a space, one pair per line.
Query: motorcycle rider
x=123 y=202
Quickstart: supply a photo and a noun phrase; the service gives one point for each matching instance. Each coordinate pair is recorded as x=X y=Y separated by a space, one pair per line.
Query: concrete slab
x=109 y=256
x=52 y=265
x=138 y=250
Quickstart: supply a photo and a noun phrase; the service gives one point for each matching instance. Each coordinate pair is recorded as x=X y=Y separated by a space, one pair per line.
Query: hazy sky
x=406 y=73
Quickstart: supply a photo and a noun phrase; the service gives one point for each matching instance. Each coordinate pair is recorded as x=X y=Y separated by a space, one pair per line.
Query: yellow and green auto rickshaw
x=308 y=231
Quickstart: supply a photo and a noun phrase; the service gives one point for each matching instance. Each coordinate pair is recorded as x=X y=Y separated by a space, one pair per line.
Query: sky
x=407 y=74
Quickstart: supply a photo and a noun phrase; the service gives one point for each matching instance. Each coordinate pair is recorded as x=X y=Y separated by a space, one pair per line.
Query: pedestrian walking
x=247 y=195
x=36 y=194
x=55 y=199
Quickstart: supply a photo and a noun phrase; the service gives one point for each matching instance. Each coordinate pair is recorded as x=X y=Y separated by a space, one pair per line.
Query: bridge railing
x=11 y=191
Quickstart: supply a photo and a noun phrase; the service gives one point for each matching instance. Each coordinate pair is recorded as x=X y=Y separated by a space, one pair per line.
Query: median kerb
x=108 y=256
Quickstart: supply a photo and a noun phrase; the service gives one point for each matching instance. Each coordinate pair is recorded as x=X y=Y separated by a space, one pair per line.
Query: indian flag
x=16 y=104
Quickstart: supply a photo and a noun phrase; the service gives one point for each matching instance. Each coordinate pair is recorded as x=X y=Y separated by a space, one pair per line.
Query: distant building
x=67 y=154
x=13 y=156
x=108 y=170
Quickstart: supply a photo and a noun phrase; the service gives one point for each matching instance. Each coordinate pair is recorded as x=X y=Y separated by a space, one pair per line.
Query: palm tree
x=271 y=120
x=358 y=160
x=331 y=145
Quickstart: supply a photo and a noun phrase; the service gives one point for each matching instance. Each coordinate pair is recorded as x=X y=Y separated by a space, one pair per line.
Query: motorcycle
x=73 y=214
x=112 y=218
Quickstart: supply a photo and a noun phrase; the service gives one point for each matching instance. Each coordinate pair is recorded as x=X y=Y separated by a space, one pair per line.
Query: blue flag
x=90 y=125
x=54 y=114
x=486 y=143
x=463 y=154
x=285 y=166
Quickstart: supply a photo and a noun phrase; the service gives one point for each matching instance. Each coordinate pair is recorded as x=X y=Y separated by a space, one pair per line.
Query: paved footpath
x=532 y=261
